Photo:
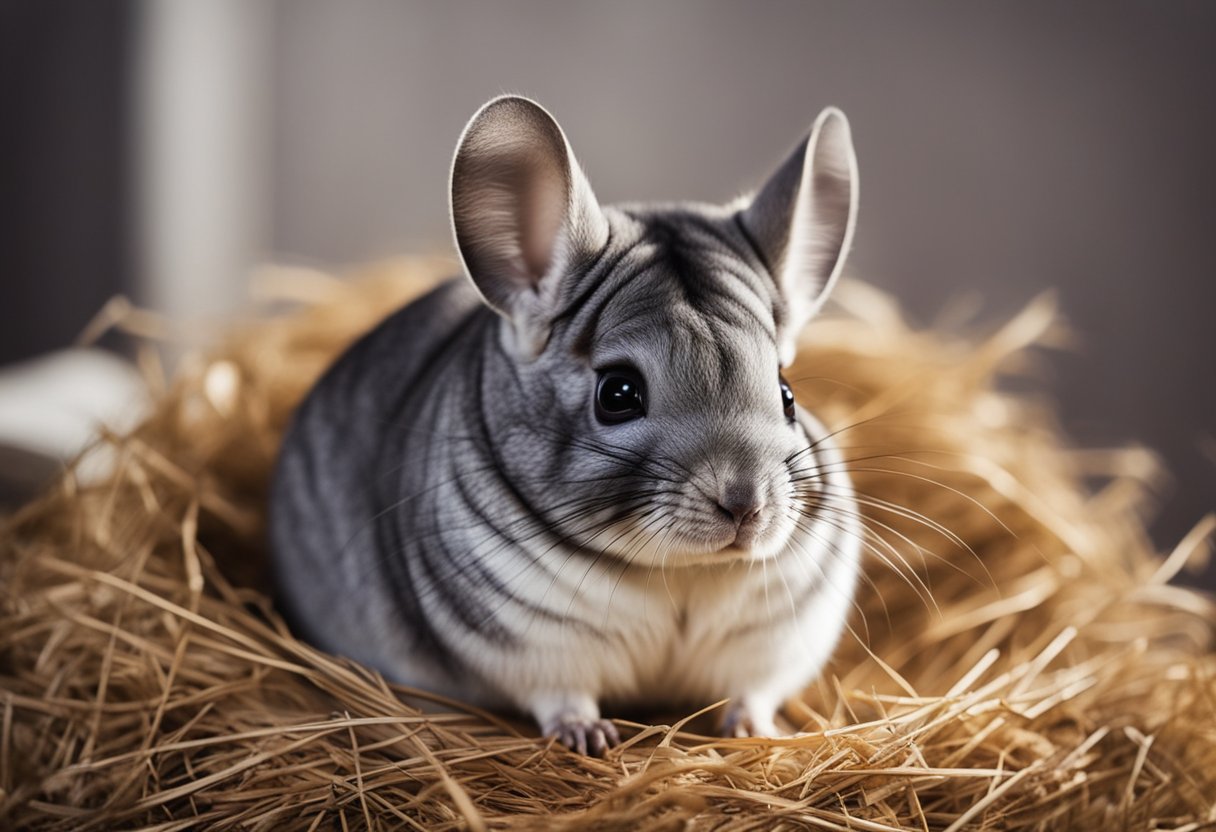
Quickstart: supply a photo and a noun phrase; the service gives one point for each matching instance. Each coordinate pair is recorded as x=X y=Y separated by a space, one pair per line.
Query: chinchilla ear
x=522 y=212
x=802 y=221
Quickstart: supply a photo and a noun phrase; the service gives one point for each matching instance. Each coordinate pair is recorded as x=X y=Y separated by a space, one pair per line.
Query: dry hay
x=1020 y=660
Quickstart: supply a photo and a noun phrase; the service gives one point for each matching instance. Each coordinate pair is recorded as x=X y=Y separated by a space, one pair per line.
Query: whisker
x=834 y=552
x=875 y=545
x=957 y=492
x=631 y=554
x=912 y=516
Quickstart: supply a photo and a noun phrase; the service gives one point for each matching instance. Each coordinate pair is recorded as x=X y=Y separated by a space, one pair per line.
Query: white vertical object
x=202 y=131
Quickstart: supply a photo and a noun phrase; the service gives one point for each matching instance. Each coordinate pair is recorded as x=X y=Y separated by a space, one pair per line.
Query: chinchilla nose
x=742 y=501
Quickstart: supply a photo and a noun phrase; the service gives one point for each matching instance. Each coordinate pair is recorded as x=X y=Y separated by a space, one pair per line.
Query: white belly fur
x=666 y=638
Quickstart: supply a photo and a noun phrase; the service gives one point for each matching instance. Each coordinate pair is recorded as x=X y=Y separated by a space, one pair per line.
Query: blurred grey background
x=163 y=148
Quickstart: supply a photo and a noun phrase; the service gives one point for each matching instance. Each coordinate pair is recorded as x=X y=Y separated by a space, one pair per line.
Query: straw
x=1017 y=658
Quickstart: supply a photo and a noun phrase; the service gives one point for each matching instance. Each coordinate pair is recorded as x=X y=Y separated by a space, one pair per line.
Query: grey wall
x=64 y=206
x=1005 y=149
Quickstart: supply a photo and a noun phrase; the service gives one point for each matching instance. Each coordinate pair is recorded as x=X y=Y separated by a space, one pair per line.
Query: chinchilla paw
x=586 y=736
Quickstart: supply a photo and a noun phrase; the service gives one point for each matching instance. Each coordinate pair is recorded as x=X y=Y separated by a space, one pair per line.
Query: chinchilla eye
x=787 y=397
x=619 y=396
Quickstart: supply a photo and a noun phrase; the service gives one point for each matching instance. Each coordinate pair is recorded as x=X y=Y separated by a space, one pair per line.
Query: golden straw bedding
x=1018 y=658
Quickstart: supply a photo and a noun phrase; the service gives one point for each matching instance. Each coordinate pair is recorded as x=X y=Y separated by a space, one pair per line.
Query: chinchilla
x=577 y=475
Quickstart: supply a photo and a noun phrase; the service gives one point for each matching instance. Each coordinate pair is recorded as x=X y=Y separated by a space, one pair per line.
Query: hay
x=1019 y=658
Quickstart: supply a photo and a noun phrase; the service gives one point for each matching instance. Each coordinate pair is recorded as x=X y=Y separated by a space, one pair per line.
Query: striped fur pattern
x=451 y=508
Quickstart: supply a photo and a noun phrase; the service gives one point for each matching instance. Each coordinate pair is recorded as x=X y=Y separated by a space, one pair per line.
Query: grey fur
x=448 y=509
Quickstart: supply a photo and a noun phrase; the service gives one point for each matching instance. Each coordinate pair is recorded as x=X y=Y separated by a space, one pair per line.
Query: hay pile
x=1018 y=658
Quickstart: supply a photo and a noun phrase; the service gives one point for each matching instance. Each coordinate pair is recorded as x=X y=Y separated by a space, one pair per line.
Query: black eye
x=619 y=396
x=787 y=397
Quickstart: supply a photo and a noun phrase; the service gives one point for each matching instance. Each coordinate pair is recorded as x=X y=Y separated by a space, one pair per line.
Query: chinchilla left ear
x=802 y=221
x=522 y=212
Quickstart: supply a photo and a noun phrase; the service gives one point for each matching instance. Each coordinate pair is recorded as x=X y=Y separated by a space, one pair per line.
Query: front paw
x=594 y=736
x=574 y=719
x=747 y=718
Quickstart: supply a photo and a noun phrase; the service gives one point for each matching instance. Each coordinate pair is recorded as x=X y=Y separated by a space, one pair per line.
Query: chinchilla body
x=579 y=476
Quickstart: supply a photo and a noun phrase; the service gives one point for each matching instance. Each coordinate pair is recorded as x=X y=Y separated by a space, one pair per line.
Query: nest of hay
x=1017 y=660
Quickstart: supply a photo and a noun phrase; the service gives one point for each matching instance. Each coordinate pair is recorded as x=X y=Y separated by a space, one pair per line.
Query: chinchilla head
x=634 y=390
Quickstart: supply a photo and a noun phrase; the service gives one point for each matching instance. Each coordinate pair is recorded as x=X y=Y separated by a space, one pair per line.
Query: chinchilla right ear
x=522 y=213
x=802 y=221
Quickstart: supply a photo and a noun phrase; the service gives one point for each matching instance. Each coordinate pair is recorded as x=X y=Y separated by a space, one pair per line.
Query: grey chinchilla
x=577 y=475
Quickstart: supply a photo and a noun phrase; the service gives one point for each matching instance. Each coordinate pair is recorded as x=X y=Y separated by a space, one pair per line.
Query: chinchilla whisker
x=850 y=502
x=556 y=574
x=880 y=544
x=604 y=526
x=525 y=528
x=429 y=490
x=668 y=465
x=828 y=438
x=930 y=481
x=622 y=560
x=800 y=380
x=865 y=538
x=553 y=527
x=868 y=524
x=826 y=491
x=826 y=496
x=833 y=551
x=659 y=561
x=845 y=462
x=636 y=543
x=596 y=527
x=635 y=462
x=539 y=528
x=875 y=544
x=789 y=593
x=869 y=533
